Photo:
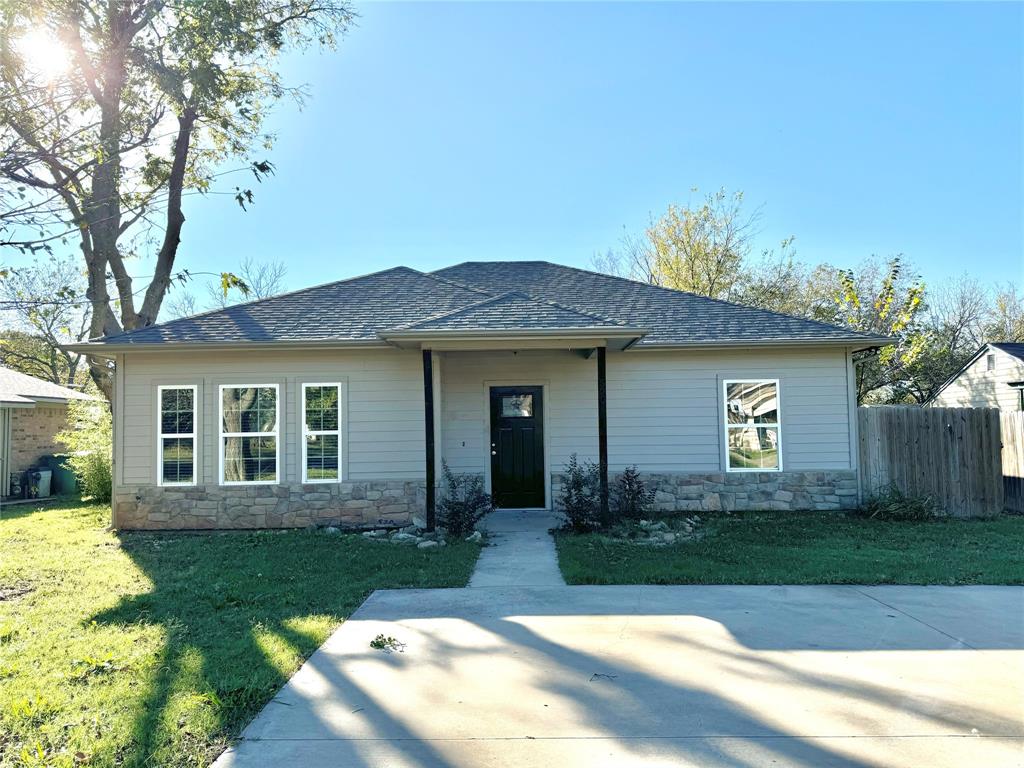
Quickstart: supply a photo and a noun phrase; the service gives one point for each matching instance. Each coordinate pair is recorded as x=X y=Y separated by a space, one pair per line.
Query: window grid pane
x=249 y=410
x=321 y=414
x=178 y=460
x=176 y=435
x=250 y=459
x=753 y=448
x=752 y=402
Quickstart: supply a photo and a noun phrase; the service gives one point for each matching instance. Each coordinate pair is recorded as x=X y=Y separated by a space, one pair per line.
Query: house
x=338 y=403
x=993 y=378
x=32 y=412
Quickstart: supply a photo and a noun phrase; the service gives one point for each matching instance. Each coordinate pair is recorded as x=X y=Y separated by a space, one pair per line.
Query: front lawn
x=156 y=649
x=807 y=548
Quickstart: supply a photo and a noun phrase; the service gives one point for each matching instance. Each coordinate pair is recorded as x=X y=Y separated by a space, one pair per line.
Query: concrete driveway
x=659 y=676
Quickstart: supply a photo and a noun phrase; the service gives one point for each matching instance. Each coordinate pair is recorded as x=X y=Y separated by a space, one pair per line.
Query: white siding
x=978 y=387
x=383 y=409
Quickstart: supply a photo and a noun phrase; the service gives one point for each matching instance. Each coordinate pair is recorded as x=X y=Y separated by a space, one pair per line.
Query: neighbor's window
x=321 y=430
x=176 y=444
x=249 y=431
x=990 y=362
x=752 y=425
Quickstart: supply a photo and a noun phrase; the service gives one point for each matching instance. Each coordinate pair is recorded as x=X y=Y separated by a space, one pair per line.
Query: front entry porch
x=515 y=416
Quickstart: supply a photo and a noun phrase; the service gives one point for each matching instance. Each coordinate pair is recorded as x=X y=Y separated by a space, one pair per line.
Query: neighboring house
x=32 y=412
x=993 y=378
x=339 y=402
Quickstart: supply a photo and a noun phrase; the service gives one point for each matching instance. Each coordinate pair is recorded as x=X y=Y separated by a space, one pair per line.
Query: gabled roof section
x=1013 y=349
x=353 y=310
x=513 y=311
x=673 y=318
x=20 y=388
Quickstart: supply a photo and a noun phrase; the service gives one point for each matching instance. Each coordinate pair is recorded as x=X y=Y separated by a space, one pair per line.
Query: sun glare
x=44 y=55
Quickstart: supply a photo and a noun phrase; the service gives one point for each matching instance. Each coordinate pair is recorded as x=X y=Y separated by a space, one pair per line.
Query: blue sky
x=438 y=133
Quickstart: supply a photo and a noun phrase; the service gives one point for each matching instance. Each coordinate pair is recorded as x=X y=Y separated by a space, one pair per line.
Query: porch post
x=428 y=434
x=602 y=430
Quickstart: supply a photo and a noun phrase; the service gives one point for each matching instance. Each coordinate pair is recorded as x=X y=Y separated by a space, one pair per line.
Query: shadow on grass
x=238 y=613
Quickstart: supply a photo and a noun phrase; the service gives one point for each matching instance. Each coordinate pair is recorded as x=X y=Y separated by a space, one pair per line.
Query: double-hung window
x=321 y=433
x=752 y=425
x=250 y=448
x=176 y=441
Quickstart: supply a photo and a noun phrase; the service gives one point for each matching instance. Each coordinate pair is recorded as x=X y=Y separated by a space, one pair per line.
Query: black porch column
x=428 y=422
x=602 y=430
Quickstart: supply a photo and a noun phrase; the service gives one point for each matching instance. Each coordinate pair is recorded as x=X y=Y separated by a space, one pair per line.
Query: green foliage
x=143 y=649
x=807 y=548
x=630 y=496
x=463 y=504
x=89 y=440
x=893 y=504
x=580 y=498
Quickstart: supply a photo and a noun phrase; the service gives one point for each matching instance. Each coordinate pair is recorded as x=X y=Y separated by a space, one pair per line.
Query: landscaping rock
x=427 y=545
x=405 y=538
x=476 y=537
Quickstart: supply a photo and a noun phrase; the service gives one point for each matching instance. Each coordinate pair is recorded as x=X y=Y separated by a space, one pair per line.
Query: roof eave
x=110 y=350
x=854 y=344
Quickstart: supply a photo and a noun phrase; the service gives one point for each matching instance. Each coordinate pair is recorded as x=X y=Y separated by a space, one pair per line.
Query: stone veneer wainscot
x=740 y=491
x=362 y=504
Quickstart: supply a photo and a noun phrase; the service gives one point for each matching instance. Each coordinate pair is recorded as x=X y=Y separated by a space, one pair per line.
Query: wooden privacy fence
x=950 y=454
x=1013 y=460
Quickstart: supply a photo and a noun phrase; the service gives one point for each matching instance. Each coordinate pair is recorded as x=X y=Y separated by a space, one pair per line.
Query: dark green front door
x=517 y=447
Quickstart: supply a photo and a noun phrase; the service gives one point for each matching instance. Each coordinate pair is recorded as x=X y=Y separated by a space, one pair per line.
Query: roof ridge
x=207 y=313
x=633 y=281
x=506 y=294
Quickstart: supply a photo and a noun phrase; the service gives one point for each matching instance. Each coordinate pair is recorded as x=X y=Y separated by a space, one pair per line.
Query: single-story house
x=32 y=412
x=338 y=403
x=992 y=378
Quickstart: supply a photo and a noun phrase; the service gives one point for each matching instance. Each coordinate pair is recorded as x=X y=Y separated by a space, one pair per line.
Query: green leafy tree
x=156 y=95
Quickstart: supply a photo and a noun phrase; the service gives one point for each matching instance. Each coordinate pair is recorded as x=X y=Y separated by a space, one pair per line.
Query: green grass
x=808 y=548
x=156 y=649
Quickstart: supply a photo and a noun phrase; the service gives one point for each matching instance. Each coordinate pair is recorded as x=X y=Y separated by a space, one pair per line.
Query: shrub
x=464 y=502
x=893 y=504
x=630 y=495
x=88 y=439
x=580 y=498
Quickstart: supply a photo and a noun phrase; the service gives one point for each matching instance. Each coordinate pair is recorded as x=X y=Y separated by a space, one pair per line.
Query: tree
x=44 y=307
x=1006 y=320
x=156 y=95
x=262 y=278
x=882 y=299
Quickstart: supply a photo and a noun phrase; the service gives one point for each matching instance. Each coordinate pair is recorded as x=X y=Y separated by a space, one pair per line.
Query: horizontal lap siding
x=383 y=428
x=665 y=410
x=978 y=387
x=570 y=404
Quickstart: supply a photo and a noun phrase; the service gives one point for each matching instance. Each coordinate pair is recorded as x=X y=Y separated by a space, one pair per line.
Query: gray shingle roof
x=476 y=295
x=672 y=317
x=513 y=311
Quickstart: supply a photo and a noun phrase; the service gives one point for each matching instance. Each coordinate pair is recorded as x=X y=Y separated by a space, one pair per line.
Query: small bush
x=630 y=495
x=88 y=439
x=893 y=504
x=580 y=498
x=463 y=504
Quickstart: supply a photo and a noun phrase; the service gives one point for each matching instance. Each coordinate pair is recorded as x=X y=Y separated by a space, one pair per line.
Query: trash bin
x=64 y=481
x=39 y=478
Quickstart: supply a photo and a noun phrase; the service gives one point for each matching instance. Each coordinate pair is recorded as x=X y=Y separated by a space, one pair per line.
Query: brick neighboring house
x=32 y=412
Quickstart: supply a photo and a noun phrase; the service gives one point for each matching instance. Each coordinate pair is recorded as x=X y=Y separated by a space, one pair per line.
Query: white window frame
x=161 y=435
x=725 y=418
x=276 y=434
x=306 y=432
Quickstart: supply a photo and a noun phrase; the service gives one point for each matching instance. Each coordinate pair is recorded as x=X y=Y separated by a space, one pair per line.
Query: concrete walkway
x=520 y=551
x=647 y=676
